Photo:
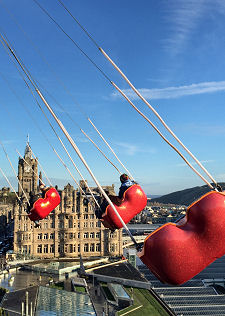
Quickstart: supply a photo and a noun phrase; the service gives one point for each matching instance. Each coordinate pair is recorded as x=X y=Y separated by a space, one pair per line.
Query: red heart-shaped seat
x=134 y=201
x=176 y=252
x=42 y=207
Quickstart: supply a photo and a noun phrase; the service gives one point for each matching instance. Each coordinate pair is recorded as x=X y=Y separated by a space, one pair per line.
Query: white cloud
x=203 y=162
x=204 y=129
x=183 y=17
x=176 y=92
x=132 y=149
x=221 y=177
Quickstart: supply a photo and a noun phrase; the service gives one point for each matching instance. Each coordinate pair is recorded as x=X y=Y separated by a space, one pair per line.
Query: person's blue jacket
x=124 y=186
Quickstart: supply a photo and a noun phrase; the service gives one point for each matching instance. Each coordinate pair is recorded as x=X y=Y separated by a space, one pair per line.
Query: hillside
x=185 y=197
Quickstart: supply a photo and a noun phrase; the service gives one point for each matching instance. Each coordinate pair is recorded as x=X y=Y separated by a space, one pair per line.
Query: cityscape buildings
x=71 y=230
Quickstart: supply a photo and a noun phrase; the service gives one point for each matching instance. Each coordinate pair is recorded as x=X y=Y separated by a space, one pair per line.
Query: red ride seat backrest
x=133 y=202
x=42 y=207
x=175 y=253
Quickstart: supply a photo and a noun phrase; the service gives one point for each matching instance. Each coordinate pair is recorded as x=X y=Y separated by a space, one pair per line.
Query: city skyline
x=172 y=52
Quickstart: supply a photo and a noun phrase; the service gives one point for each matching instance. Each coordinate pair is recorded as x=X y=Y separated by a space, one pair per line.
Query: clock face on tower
x=27 y=168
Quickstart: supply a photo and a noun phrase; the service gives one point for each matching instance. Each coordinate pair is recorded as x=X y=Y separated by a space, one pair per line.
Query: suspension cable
x=19 y=198
x=140 y=96
x=101 y=152
x=85 y=134
x=111 y=149
x=80 y=49
x=42 y=169
x=44 y=134
x=68 y=170
x=64 y=147
x=146 y=119
x=165 y=139
x=73 y=145
x=87 y=167
x=64 y=87
x=20 y=185
x=158 y=116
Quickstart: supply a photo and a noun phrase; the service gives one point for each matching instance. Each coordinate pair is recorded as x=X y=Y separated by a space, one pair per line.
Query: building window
x=85 y=216
x=71 y=235
x=51 y=236
x=61 y=248
x=39 y=249
x=85 y=235
x=71 y=248
x=92 y=216
x=85 y=247
x=85 y=224
x=39 y=236
x=45 y=236
x=97 y=235
x=92 y=235
x=46 y=225
x=78 y=235
x=70 y=223
x=45 y=248
x=61 y=224
x=91 y=224
x=112 y=235
x=112 y=247
x=97 y=247
x=92 y=247
x=52 y=224
x=74 y=248
x=51 y=248
x=78 y=247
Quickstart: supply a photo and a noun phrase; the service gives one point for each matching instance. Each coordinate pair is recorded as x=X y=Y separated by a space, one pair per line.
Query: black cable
x=80 y=25
x=80 y=49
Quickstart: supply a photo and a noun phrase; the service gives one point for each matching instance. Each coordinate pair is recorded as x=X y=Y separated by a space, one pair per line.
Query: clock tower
x=27 y=172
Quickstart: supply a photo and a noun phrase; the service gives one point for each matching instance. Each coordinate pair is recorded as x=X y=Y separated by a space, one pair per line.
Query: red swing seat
x=42 y=207
x=176 y=252
x=133 y=202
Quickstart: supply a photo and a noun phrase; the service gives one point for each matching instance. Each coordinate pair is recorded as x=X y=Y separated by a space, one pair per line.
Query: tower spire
x=28 y=152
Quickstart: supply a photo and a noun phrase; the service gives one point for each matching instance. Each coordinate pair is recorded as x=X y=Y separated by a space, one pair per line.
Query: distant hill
x=185 y=197
x=153 y=196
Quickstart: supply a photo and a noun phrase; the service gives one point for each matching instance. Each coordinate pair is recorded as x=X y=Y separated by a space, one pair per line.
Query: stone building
x=70 y=230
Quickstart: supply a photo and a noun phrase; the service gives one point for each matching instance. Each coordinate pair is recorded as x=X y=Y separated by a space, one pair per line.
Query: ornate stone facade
x=70 y=230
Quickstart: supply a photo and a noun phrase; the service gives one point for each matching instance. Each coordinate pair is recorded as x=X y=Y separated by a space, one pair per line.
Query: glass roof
x=119 y=290
x=54 y=302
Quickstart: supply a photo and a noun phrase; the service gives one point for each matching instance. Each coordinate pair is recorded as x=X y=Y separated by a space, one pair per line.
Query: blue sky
x=172 y=51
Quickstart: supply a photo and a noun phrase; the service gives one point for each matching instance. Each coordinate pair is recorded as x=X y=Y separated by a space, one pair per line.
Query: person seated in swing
x=126 y=183
x=34 y=197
